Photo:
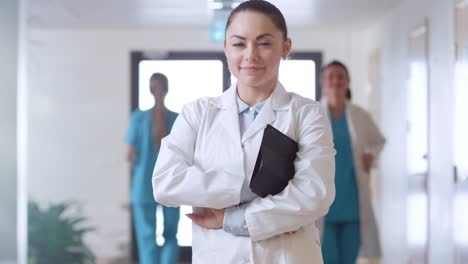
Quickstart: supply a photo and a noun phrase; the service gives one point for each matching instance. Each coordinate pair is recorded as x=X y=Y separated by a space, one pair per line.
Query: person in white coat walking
x=349 y=228
x=207 y=160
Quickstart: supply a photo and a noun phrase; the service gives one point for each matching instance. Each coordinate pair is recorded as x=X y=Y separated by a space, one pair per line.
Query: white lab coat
x=365 y=138
x=203 y=162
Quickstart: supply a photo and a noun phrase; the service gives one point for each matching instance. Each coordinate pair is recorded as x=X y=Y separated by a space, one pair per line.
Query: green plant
x=55 y=237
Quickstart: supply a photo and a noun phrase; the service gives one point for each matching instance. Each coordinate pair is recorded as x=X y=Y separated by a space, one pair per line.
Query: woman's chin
x=253 y=81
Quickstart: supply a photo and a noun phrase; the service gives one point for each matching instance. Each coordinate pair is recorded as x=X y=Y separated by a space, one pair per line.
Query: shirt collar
x=243 y=107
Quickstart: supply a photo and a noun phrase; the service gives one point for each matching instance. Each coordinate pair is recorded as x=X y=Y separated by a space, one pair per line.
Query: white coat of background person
x=366 y=143
x=205 y=162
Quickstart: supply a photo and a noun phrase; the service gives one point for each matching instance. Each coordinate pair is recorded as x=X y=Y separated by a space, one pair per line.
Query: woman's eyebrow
x=264 y=36
x=237 y=36
x=258 y=37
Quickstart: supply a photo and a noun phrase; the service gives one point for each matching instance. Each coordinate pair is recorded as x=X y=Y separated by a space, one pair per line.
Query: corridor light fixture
x=220 y=11
x=215 y=5
x=223 y=4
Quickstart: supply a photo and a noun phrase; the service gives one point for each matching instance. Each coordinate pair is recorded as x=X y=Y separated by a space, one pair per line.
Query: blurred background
x=71 y=72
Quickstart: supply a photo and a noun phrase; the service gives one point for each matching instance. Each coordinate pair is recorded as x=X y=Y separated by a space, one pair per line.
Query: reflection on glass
x=188 y=80
x=460 y=220
x=417 y=163
x=417 y=108
x=460 y=216
x=417 y=219
x=461 y=119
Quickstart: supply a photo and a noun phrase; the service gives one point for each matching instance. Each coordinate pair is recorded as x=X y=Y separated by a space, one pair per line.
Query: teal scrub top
x=345 y=207
x=139 y=136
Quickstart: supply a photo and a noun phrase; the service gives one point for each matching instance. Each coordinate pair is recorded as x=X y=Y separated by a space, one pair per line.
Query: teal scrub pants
x=341 y=242
x=144 y=220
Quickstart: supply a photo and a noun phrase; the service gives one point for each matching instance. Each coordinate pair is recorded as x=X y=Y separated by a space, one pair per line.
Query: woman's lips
x=251 y=68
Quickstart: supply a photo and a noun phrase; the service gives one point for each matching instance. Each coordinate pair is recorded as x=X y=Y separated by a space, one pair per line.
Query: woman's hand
x=211 y=219
x=367 y=160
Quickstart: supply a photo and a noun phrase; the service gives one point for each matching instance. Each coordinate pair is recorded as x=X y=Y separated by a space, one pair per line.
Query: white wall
x=390 y=34
x=79 y=95
x=8 y=83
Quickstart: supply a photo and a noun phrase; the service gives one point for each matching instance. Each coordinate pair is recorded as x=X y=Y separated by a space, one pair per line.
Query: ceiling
x=178 y=13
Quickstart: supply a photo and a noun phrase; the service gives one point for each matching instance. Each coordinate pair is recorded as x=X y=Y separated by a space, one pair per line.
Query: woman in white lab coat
x=207 y=160
x=349 y=227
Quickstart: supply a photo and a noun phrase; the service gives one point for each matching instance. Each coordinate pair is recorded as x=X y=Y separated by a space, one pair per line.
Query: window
x=188 y=80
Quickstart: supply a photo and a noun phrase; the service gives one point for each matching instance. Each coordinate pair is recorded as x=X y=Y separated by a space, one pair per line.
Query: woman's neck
x=254 y=95
x=337 y=107
x=159 y=108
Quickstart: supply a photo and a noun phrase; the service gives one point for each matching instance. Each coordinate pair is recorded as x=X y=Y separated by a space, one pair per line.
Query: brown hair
x=262 y=7
x=337 y=64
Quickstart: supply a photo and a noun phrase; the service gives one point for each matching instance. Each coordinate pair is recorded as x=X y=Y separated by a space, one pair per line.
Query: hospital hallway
x=73 y=72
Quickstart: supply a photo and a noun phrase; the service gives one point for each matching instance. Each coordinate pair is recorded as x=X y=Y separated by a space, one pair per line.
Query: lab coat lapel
x=351 y=125
x=351 y=122
x=266 y=116
x=279 y=100
x=227 y=105
x=355 y=143
x=350 y=116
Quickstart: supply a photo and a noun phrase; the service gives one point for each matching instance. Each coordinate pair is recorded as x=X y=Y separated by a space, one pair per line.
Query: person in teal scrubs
x=145 y=132
x=341 y=233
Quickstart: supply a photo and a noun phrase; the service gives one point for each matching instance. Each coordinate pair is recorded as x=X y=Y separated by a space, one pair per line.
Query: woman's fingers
x=212 y=218
x=200 y=220
x=195 y=218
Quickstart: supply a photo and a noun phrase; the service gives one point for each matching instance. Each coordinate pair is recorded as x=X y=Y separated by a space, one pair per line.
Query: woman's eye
x=264 y=44
x=238 y=44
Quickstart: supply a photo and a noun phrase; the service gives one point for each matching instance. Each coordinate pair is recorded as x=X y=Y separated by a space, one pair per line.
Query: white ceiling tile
x=194 y=13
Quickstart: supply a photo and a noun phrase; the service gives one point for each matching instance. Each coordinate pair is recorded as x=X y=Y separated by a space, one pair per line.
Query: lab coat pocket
x=270 y=250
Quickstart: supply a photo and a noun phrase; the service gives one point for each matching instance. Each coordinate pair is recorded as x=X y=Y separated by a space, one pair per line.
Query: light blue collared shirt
x=234 y=216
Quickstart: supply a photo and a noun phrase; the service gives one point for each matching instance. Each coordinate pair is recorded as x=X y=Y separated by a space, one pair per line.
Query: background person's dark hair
x=348 y=94
x=338 y=64
x=163 y=79
x=343 y=66
x=262 y=7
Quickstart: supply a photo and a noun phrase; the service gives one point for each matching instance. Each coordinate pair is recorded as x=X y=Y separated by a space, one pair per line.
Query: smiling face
x=254 y=47
x=335 y=81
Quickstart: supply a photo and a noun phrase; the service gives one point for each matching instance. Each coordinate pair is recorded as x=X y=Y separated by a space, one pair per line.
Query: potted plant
x=56 y=237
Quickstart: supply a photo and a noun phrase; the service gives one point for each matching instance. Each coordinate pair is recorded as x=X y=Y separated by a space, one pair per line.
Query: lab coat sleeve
x=375 y=139
x=310 y=193
x=178 y=180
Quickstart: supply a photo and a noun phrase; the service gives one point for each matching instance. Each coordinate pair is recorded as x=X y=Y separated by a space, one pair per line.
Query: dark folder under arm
x=275 y=163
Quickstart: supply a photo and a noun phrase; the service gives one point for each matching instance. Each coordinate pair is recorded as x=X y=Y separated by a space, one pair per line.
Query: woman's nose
x=251 y=53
